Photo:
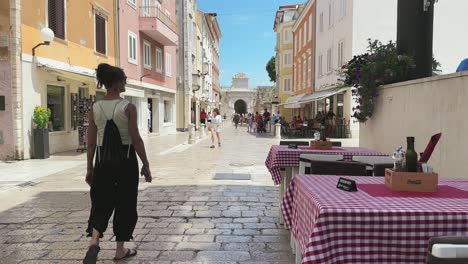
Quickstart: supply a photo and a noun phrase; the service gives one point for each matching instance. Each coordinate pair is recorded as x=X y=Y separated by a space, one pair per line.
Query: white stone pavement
x=185 y=215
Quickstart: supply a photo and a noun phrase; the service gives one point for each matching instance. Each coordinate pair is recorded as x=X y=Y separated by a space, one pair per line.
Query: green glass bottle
x=411 y=156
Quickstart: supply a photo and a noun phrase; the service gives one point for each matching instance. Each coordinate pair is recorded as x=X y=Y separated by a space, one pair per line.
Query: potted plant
x=41 y=118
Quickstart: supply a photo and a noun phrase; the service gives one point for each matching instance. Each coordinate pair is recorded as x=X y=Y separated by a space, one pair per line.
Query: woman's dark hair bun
x=107 y=74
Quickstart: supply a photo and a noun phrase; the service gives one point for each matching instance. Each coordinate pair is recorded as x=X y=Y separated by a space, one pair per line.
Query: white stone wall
x=422 y=108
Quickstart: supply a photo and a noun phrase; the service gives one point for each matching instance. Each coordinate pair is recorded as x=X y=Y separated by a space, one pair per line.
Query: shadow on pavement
x=195 y=224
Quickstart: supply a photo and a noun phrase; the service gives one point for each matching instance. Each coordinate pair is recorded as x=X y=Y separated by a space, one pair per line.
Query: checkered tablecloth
x=334 y=226
x=282 y=157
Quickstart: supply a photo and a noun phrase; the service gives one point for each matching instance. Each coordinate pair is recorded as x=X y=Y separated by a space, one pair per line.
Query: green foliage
x=436 y=65
x=271 y=69
x=41 y=117
x=367 y=72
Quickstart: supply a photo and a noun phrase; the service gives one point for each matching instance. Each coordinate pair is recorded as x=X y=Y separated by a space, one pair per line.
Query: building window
x=329 y=60
x=287 y=85
x=147 y=55
x=132 y=3
x=305 y=34
x=132 y=48
x=340 y=53
x=288 y=59
x=304 y=74
x=299 y=77
x=330 y=15
x=320 y=65
x=295 y=44
x=167 y=111
x=321 y=22
x=287 y=35
x=309 y=75
x=168 y=65
x=56 y=104
x=310 y=27
x=146 y=8
x=342 y=8
x=300 y=39
x=56 y=17
x=159 y=60
x=100 y=24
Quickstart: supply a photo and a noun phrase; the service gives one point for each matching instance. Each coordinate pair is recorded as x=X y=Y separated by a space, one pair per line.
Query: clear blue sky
x=248 y=39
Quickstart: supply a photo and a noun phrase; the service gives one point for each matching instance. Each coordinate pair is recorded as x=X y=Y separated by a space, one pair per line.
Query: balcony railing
x=156 y=12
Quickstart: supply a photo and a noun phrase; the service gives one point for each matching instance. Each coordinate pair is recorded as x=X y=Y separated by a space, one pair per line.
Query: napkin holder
x=321 y=145
x=411 y=181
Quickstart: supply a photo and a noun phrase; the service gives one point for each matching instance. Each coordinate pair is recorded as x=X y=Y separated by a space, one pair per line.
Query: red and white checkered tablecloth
x=282 y=156
x=334 y=226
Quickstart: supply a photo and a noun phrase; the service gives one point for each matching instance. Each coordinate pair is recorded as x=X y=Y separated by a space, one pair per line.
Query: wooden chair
x=458 y=256
x=298 y=143
x=337 y=168
x=305 y=159
x=381 y=162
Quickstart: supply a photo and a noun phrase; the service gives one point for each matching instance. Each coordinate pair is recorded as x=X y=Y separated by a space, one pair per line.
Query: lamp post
x=47 y=35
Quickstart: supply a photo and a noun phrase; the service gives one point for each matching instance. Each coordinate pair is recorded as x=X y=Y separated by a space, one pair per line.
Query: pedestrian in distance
x=113 y=141
x=216 y=127
x=203 y=117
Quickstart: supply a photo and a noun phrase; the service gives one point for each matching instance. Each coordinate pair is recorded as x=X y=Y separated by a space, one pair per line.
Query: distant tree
x=436 y=66
x=271 y=69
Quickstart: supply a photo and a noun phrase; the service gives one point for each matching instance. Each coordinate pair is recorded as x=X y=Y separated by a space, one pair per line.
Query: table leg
x=298 y=255
x=287 y=180
x=294 y=172
x=293 y=243
x=281 y=194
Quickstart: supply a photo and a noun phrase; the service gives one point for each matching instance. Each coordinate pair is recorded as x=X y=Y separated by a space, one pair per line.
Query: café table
x=372 y=225
x=281 y=156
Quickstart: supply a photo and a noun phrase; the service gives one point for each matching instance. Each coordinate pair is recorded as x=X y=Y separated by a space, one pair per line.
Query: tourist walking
x=114 y=138
x=203 y=117
x=215 y=127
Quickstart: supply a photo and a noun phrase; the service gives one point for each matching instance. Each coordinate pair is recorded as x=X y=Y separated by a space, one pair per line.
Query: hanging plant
x=367 y=72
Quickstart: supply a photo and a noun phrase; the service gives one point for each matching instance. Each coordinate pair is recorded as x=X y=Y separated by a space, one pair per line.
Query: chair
x=379 y=168
x=304 y=160
x=436 y=251
x=337 y=168
x=298 y=143
x=336 y=143
x=371 y=161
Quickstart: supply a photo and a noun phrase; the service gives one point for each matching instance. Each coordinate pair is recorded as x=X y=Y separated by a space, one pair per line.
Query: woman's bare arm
x=137 y=141
x=92 y=138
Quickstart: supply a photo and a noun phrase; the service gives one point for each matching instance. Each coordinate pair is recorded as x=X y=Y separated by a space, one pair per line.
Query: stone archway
x=240 y=106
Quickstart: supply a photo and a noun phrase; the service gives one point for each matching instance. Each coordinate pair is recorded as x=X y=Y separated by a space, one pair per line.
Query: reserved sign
x=346 y=185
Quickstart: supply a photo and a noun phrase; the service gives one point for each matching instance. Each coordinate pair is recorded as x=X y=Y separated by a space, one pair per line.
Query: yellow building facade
x=283 y=26
x=60 y=75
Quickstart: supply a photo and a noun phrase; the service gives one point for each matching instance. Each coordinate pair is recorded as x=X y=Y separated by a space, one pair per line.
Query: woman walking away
x=114 y=137
x=216 y=127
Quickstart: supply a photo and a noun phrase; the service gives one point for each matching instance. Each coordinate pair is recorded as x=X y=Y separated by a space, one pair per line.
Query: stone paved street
x=185 y=215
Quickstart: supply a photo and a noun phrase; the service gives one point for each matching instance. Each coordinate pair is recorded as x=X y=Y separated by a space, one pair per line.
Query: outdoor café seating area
x=335 y=127
x=351 y=205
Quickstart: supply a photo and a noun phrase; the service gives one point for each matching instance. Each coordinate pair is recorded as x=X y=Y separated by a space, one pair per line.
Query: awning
x=293 y=102
x=315 y=96
x=72 y=73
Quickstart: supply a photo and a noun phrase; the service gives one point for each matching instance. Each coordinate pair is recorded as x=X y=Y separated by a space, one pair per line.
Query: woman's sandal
x=130 y=253
x=91 y=255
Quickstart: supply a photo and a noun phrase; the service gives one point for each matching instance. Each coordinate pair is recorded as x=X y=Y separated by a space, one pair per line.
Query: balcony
x=157 y=25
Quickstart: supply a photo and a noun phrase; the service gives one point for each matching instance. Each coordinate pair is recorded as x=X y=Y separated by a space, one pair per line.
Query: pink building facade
x=147 y=43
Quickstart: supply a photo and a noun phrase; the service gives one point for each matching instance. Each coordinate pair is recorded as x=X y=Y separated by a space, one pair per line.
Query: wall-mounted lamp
x=47 y=35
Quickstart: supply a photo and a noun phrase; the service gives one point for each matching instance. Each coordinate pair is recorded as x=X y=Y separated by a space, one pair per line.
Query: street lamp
x=47 y=35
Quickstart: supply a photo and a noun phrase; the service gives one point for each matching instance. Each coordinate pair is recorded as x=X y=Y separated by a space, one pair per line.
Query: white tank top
x=112 y=109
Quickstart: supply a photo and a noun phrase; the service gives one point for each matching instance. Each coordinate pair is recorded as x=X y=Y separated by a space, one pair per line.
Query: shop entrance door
x=150 y=115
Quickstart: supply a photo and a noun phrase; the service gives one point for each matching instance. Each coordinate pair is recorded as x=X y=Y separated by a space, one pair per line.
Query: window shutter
x=100 y=34
x=60 y=18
